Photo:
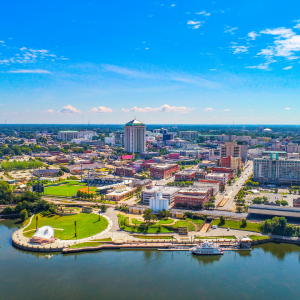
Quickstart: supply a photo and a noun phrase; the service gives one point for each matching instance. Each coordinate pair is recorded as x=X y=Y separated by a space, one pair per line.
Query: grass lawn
x=65 y=190
x=199 y=222
x=135 y=221
x=104 y=240
x=259 y=237
x=87 y=225
x=147 y=237
x=86 y=244
x=237 y=225
x=141 y=228
x=231 y=237
x=189 y=226
x=167 y=221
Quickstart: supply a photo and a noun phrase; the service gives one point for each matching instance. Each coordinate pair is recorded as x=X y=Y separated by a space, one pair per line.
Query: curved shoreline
x=21 y=242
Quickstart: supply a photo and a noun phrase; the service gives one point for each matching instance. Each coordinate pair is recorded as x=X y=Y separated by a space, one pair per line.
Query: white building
x=158 y=203
x=214 y=154
x=135 y=136
x=67 y=135
x=208 y=185
x=223 y=177
x=110 y=140
x=168 y=193
x=86 y=134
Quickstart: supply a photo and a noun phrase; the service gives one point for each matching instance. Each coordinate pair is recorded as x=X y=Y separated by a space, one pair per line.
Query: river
x=270 y=271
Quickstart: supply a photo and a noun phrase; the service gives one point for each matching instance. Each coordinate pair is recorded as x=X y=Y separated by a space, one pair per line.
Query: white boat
x=208 y=248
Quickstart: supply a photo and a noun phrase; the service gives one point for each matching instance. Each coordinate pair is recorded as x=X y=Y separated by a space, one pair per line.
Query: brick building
x=163 y=171
x=205 y=183
x=296 y=202
x=224 y=170
x=129 y=172
x=231 y=162
x=193 y=196
x=185 y=175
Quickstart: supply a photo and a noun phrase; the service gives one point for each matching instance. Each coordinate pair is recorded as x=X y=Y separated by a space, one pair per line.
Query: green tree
x=103 y=208
x=123 y=222
x=24 y=215
x=284 y=203
x=244 y=223
x=222 y=220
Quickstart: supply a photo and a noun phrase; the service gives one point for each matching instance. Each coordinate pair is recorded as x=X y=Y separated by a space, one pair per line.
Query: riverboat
x=208 y=248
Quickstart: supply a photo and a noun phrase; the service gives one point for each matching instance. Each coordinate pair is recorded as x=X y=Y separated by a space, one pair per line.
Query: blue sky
x=183 y=62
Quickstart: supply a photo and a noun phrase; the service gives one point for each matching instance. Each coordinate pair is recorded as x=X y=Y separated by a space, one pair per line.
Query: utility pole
x=32 y=181
x=75 y=229
x=88 y=181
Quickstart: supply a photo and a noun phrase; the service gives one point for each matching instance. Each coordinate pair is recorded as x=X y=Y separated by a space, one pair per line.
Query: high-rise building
x=276 y=170
x=135 y=136
x=189 y=135
x=231 y=149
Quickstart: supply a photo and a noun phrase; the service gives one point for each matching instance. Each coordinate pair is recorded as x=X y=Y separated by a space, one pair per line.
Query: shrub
x=24 y=215
x=244 y=223
x=222 y=220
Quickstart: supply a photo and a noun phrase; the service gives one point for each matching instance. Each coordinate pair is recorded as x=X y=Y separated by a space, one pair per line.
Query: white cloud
x=2 y=42
x=208 y=109
x=285 y=45
x=287 y=108
x=32 y=71
x=69 y=110
x=49 y=111
x=24 y=55
x=227 y=109
x=230 y=30
x=263 y=66
x=195 y=24
x=288 y=68
x=281 y=32
x=239 y=49
x=203 y=12
x=213 y=69
x=253 y=35
x=172 y=5
x=164 y=108
x=100 y=110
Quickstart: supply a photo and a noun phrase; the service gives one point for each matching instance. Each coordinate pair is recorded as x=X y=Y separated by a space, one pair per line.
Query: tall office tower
x=135 y=136
x=231 y=149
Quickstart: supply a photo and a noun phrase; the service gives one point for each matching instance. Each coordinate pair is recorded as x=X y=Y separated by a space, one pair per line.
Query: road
x=234 y=189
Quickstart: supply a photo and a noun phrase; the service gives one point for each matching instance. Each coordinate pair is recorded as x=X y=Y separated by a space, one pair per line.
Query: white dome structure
x=43 y=235
x=46 y=232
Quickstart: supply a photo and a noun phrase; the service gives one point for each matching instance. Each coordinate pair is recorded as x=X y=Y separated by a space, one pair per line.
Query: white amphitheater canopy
x=46 y=232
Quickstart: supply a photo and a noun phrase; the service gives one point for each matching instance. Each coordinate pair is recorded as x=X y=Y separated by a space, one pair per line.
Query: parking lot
x=272 y=197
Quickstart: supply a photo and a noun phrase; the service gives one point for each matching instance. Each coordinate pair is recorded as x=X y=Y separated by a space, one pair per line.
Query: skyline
x=165 y=62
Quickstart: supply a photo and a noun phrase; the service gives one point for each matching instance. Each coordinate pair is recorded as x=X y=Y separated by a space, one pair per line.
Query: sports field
x=86 y=225
x=67 y=189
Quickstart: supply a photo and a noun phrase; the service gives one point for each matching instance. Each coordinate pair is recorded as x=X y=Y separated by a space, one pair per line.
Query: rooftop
x=135 y=122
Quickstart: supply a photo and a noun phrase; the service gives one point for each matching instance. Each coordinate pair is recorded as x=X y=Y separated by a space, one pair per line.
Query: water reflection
x=244 y=253
x=279 y=250
x=10 y=224
x=205 y=260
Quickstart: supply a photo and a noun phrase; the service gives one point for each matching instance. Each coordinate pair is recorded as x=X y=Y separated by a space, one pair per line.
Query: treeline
x=9 y=149
x=21 y=165
x=279 y=226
